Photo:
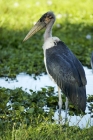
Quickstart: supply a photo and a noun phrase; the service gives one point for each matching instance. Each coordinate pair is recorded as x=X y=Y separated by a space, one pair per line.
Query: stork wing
x=68 y=73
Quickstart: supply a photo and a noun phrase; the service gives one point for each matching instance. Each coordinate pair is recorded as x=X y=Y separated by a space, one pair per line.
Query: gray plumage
x=68 y=73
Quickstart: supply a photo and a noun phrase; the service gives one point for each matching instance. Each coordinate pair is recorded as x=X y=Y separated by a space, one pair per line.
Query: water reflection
x=28 y=82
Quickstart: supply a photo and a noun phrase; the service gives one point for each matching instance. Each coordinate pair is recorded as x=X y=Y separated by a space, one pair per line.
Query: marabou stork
x=92 y=61
x=61 y=65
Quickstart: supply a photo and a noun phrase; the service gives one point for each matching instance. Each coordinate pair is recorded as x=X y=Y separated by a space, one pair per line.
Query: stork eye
x=49 y=16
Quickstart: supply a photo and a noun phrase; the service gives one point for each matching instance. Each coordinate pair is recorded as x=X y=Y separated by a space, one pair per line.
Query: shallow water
x=28 y=82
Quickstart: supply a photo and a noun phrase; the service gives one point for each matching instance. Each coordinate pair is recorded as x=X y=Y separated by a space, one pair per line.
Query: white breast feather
x=49 y=43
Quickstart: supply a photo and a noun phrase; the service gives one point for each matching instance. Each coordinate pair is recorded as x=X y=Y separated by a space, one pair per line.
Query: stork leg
x=59 y=103
x=66 y=107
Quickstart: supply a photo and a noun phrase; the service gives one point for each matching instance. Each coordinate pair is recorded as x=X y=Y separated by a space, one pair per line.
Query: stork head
x=41 y=23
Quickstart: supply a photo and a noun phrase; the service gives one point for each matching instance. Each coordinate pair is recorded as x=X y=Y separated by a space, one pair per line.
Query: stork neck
x=48 y=31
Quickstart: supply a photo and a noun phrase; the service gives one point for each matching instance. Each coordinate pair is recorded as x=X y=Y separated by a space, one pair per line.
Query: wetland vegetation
x=22 y=116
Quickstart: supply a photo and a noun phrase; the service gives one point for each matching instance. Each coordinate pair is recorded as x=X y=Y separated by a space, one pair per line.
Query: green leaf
x=30 y=111
x=21 y=108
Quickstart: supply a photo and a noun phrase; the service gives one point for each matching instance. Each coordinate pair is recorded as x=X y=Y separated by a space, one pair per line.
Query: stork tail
x=77 y=95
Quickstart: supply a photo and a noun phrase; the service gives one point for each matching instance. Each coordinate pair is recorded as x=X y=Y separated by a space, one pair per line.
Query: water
x=28 y=82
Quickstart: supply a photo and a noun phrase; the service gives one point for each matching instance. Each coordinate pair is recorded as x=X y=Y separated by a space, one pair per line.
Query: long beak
x=37 y=27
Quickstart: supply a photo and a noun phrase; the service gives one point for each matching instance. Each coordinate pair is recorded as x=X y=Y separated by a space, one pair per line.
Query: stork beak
x=37 y=27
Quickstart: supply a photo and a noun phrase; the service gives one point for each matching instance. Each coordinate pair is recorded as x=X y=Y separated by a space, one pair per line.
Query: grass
x=74 y=21
x=49 y=132
x=74 y=26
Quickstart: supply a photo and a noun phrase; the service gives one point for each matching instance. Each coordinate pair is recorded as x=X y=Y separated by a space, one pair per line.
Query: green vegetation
x=22 y=116
x=18 y=106
x=45 y=131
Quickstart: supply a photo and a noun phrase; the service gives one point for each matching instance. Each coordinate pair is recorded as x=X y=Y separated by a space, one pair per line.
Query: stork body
x=66 y=70
x=61 y=65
